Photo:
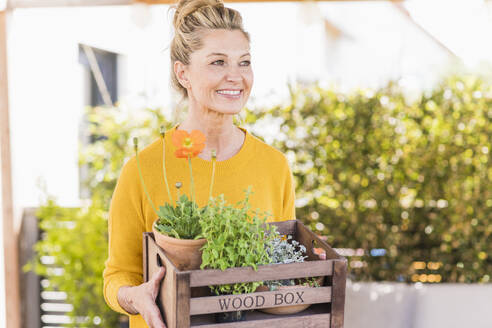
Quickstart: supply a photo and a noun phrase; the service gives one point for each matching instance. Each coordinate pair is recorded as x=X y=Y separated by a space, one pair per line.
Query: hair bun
x=185 y=8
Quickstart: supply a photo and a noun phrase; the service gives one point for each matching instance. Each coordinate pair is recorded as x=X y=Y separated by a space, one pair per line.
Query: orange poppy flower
x=188 y=144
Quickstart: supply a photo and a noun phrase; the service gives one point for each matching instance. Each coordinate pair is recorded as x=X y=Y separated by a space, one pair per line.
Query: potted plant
x=283 y=249
x=177 y=228
x=235 y=238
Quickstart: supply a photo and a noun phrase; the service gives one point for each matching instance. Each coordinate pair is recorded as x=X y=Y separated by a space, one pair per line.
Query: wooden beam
x=399 y=6
x=13 y=4
x=10 y=235
x=98 y=77
x=166 y=2
x=88 y=3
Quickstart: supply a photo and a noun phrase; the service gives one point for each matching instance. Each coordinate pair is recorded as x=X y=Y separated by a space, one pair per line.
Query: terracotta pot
x=290 y=309
x=184 y=253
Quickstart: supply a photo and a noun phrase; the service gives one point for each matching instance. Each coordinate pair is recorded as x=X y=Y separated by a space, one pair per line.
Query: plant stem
x=142 y=180
x=192 y=187
x=191 y=180
x=180 y=204
x=164 y=167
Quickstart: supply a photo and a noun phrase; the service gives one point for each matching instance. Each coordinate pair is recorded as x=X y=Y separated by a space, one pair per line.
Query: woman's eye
x=221 y=62
x=218 y=62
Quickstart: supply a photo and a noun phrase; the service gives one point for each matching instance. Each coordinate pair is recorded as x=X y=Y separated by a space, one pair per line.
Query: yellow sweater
x=256 y=164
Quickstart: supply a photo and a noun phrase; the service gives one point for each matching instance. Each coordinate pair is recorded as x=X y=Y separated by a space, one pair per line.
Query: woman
x=211 y=67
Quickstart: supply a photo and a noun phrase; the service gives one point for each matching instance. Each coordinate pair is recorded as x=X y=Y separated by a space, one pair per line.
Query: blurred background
x=383 y=108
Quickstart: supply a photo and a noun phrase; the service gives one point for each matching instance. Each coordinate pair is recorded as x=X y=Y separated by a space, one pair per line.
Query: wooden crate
x=184 y=301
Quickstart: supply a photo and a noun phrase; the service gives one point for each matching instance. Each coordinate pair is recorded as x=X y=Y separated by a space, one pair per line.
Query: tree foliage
x=375 y=170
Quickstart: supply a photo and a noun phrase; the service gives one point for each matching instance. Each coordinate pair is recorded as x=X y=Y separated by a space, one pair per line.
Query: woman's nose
x=233 y=74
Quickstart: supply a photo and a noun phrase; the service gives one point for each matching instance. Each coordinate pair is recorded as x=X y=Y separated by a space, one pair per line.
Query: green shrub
x=70 y=235
x=76 y=238
x=411 y=179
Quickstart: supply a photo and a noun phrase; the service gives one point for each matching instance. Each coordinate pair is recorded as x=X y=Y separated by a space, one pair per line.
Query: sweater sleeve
x=289 y=210
x=125 y=227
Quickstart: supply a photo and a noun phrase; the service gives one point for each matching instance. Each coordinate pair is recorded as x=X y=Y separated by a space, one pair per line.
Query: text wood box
x=184 y=299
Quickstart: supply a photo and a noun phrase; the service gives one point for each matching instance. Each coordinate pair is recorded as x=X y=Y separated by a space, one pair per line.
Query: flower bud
x=178 y=185
x=135 y=143
x=162 y=131
x=214 y=154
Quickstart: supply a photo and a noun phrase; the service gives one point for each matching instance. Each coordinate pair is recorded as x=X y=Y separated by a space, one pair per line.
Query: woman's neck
x=222 y=135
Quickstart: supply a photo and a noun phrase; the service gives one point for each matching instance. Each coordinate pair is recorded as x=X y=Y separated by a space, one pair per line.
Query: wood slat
x=30 y=282
x=286 y=227
x=145 y=248
x=167 y=294
x=265 y=272
x=183 y=300
x=307 y=321
x=306 y=237
x=259 y=300
x=338 y=283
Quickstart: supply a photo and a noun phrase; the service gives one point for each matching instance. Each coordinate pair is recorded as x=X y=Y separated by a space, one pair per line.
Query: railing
x=30 y=283
x=41 y=306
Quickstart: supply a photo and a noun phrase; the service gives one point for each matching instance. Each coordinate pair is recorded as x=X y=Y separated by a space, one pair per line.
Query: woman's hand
x=141 y=299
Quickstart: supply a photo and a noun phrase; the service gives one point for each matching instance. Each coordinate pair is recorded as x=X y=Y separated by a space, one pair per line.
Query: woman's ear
x=181 y=72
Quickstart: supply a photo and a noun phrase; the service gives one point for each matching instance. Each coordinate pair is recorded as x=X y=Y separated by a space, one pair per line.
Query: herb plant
x=234 y=239
x=181 y=221
x=283 y=249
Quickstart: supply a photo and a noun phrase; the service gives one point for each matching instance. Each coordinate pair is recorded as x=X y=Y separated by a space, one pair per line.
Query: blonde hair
x=191 y=19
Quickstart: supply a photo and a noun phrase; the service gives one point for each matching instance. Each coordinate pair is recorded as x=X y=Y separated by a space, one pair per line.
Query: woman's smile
x=230 y=93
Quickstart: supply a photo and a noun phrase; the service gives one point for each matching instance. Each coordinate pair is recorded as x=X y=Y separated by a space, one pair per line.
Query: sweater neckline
x=244 y=154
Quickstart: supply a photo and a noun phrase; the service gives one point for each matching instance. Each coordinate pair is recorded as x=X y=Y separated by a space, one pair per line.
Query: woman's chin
x=227 y=110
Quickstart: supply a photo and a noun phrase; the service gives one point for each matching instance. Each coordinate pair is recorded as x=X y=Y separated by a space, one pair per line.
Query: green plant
x=68 y=234
x=181 y=221
x=401 y=181
x=282 y=250
x=285 y=250
x=235 y=238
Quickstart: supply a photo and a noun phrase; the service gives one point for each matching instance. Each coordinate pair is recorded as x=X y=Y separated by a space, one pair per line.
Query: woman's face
x=219 y=76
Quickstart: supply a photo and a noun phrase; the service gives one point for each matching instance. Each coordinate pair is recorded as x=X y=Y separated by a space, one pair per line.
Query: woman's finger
x=155 y=317
x=159 y=274
x=154 y=283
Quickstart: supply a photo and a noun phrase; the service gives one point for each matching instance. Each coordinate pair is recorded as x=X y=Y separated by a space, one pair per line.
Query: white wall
x=47 y=83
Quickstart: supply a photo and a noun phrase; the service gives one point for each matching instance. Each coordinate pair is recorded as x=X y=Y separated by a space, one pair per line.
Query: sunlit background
x=343 y=46
x=347 y=44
